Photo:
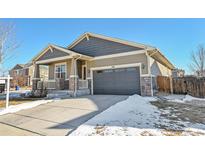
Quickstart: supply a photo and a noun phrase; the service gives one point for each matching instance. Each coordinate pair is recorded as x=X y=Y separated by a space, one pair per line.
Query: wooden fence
x=163 y=84
x=189 y=85
x=182 y=85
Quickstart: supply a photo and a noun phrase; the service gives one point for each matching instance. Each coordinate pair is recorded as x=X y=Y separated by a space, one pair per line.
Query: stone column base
x=35 y=84
x=72 y=83
x=146 y=86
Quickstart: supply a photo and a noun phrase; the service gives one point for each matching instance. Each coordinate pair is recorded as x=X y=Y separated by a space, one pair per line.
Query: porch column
x=36 y=76
x=73 y=79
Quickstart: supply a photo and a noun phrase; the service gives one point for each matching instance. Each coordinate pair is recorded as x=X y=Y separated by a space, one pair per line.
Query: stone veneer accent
x=146 y=86
x=35 y=84
x=72 y=83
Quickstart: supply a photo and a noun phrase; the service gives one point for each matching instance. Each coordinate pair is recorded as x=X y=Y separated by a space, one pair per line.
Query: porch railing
x=83 y=84
x=52 y=84
x=48 y=84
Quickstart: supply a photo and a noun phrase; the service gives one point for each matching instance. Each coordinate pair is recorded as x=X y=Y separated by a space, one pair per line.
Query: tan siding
x=159 y=69
x=31 y=69
x=138 y=58
x=51 y=71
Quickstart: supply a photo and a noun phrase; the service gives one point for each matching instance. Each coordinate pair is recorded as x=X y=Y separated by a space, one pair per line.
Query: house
x=178 y=73
x=97 y=64
x=18 y=74
x=199 y=73
x=23 y=74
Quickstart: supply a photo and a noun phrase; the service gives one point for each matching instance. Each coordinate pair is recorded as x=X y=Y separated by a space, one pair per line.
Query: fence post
x=171 y=85
x=7 y=91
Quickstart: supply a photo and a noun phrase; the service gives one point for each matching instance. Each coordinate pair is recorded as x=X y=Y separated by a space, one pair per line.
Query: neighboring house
x=19 y=75
x=200 y=73
x=178 y=73
x=23 y=74
x=102 y=65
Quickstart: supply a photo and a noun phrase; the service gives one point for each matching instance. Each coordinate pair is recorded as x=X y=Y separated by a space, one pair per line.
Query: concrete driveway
x=60 y=117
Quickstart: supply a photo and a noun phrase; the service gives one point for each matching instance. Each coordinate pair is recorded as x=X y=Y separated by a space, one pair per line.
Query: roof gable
x=52 y=53
x=18 y=66
x=95 y=46
x=55 y=51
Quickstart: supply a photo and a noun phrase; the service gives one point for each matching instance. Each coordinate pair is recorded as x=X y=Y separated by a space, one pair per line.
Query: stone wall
x=146 y=86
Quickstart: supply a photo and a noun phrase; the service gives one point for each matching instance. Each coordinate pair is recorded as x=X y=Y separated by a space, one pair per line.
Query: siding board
x=99 y=47
x=53 y=54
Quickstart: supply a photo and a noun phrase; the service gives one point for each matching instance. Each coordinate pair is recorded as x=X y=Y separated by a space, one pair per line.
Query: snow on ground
x=16 y=94
x=136 y=116
x=187 y=99
x=174 y=97
x=16 y=108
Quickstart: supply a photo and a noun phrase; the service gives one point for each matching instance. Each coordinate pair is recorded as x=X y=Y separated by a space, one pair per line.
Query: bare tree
x=8 y=42
x=198 y=61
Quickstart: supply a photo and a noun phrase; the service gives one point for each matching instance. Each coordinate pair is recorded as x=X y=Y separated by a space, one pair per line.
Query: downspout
x=75 y=74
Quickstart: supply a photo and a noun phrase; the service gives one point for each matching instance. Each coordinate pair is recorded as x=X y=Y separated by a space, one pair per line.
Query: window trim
x=82 y=69
x=59 y=64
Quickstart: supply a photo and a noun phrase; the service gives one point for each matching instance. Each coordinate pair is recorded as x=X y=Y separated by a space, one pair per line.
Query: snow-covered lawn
x=141 y=116
x=15 y=94
x=28 y=105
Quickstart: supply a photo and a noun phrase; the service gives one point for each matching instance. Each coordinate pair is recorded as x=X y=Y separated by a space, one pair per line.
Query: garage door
x=121 y=81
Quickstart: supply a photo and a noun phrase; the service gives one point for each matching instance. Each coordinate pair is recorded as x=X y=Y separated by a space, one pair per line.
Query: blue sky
x=176 y=38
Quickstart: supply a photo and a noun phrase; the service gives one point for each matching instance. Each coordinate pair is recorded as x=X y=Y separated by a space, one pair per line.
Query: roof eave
x=165 y=60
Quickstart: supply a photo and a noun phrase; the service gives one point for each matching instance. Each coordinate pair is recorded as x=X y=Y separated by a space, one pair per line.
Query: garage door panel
x=117 y=81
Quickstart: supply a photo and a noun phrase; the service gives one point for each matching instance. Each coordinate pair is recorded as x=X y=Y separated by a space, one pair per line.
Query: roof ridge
x=115 y=39
x=91 y=33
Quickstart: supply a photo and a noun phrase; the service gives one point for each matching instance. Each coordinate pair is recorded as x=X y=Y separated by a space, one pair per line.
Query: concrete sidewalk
x=60 y=117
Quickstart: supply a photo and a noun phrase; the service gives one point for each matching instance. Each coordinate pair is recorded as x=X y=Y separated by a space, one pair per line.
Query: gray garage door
x=121 y=81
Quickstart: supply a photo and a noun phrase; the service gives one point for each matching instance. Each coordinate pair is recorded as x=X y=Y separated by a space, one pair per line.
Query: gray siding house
x=97 y=64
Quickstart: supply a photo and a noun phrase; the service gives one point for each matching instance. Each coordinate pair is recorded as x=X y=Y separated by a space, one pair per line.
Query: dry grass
x=100 y=130
x=172 y=132
x=146 y=133
x=16 y=101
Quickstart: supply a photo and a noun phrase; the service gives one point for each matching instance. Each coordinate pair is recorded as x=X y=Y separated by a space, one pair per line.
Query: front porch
x=67 y=74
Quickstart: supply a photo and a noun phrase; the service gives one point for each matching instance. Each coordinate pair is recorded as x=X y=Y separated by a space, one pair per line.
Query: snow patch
x=151 y=99
x=186 y=99
x=136 y=116
x=129 y=117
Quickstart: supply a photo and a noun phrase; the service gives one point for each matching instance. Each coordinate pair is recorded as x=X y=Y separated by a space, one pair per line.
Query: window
x=60 y=71
x=120 y=70
x=17 y=72
x=100 y=71
x=108 y=71
x=131 y=69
